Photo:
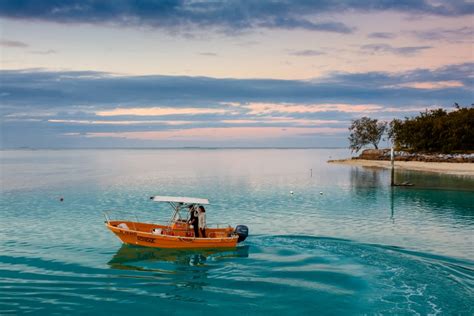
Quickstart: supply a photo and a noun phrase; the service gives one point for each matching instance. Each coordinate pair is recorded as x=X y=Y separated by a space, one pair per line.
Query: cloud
x=44 y=52
x=292 y=23
x=382 y=35
x=275 y=120
x=89 y=90
x=13 y=44
x=175 y=15
x=269 y=108
x=307 y=53
x=230 y=16
x=98 y=122
x=220 y=133
x=158 y=111
x=386 y=48
x=463 y=34
x=431 y=85
x=208 y=54
x=39 y=107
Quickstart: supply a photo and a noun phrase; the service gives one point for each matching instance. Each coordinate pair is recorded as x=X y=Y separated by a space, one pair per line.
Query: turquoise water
x=355 y=248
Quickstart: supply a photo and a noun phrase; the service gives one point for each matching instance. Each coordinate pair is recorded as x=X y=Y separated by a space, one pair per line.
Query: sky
x=192 y=73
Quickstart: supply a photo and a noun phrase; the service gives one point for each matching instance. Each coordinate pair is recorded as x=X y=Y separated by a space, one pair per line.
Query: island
x=434 y=141
x=457 y=164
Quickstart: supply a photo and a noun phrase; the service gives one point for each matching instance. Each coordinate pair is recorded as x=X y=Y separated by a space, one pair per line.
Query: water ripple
x=332 y=273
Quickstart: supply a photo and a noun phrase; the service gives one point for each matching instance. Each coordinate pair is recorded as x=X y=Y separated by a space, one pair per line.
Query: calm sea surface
x=343 y=243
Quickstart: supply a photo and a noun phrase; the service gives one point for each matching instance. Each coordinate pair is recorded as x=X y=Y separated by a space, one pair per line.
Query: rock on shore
x=384 y=154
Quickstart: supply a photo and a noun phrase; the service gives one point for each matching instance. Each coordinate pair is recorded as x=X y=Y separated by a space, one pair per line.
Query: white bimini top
x=180 y=199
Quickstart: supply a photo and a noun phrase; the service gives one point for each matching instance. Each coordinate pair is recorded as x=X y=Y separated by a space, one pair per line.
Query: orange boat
x=177 y=233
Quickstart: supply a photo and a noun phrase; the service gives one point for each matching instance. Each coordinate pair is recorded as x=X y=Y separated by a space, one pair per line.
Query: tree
x=365 y=131
x=435 y=131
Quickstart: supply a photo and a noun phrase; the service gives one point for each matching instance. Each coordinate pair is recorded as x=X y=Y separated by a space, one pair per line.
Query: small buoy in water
x=291 y=192
x=61 y=199
x=321 y=193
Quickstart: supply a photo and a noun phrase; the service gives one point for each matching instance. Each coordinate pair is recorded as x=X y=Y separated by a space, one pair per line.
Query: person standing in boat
x=193 y=219
x=202 y=221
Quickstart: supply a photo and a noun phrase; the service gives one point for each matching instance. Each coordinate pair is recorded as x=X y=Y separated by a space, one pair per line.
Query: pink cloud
x=268 y=108
x=431 y=85
x=276 y=120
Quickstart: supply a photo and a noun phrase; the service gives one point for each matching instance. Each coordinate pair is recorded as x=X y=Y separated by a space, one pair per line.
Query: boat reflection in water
x=181 y=275
x=151 y=259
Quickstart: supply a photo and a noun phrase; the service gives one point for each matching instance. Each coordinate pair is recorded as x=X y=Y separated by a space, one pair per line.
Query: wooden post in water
x=392 y=160
x=392 y=205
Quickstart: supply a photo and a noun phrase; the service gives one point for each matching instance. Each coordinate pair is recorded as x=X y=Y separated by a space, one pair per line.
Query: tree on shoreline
x=365 y=131
x=435 y=131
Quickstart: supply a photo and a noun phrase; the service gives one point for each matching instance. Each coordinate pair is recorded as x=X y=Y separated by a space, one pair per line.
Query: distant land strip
x=460 y=168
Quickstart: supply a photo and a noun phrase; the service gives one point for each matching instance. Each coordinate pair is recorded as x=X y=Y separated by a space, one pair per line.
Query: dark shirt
x=193 y=219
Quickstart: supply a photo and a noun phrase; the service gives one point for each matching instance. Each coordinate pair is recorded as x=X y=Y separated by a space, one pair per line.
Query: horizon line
x=180 y=147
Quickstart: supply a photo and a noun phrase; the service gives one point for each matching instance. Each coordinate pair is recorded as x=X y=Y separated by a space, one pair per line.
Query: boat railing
x=211 y=225
x=106 y=215
x=218 y=225
x=116 y=215
x=112 y=215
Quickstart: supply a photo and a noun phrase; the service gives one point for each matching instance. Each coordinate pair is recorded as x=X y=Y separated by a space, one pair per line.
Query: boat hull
x=141 y=234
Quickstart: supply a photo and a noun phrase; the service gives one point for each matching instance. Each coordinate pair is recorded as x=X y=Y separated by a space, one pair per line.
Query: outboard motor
x=242 y=231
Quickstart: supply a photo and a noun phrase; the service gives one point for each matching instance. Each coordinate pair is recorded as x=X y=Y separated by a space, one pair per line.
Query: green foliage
x=365 y=131
x=435 y=131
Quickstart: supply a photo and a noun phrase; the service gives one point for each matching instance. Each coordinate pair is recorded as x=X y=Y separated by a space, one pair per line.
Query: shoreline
x=464 y=169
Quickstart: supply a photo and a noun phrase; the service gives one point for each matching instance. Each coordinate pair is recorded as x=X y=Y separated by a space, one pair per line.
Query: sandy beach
x=466 y=169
